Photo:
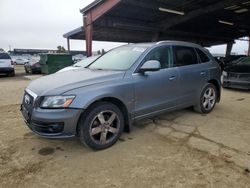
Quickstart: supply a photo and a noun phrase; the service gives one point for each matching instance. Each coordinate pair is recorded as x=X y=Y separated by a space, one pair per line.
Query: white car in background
x=81 y=64
x=21 y=61
x=78 y=57
x=6 y=64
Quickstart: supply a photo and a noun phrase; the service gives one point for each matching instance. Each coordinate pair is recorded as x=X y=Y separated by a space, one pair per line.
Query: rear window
x=203 y=56
x=4 y=56
x=184 y=56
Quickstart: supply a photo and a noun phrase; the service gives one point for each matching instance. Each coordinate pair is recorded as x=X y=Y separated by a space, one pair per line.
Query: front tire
x=101 y=126
x=208 y=99
x=26 y=71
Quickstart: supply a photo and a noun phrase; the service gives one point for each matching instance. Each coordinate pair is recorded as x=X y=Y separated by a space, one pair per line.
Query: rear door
x=156 y=91
x=5 y=60
x=192 y=74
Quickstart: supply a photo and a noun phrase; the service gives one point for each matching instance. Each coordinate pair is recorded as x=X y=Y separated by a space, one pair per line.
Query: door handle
x=172 y=78
x=202 y=73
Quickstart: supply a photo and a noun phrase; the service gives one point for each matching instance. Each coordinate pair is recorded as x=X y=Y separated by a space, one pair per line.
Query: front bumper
x=236 y=83
x=52 y=123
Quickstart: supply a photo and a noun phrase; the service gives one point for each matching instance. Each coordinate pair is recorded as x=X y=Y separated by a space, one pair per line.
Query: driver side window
x=161 y=54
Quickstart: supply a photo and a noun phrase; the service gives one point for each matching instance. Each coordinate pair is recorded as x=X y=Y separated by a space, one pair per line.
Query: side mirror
x=151 y=65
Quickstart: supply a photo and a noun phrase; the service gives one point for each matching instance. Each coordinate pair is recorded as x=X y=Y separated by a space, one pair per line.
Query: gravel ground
x=179 y=149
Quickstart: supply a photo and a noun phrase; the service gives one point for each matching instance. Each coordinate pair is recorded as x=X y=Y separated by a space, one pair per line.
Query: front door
x=156 y=91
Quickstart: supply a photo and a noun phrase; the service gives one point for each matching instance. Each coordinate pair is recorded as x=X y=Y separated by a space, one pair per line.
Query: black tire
x=207 y=104
x=90 y=122
x=12 y=74
x=26 y=71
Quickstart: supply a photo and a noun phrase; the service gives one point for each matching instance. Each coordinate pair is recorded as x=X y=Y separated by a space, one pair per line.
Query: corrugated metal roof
x=141 y=20
x=90 y=6
x=73 y=32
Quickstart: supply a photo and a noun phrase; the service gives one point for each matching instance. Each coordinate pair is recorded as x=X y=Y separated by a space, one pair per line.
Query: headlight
x=224 y=73
x=57 y=101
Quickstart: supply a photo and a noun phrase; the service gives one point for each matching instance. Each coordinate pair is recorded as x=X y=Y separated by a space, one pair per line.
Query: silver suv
x=6 y=64
x=126 y=84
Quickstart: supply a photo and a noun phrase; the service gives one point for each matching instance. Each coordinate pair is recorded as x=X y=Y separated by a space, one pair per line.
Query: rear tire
x=101 y=126
x=208 y=99
x=12 y=74
x=26 y=71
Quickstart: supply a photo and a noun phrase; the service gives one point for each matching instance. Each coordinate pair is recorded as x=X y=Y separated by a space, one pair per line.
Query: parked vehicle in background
x=33 y=66
x=244 y=60
x=237 y=74
x=78 y=57
x=6 y=65
x=81 y=64
x=126 y=84
x=20 y=61
x=228 y=60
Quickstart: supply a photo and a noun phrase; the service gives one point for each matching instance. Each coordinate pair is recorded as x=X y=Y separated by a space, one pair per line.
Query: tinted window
x=118 y=59
x=184 y=56
x=4 y=56
x=245 y=60
x=161 y=54
x=203 y=56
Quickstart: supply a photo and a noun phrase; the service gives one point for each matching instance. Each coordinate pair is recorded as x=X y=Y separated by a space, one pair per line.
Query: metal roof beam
x=96 y=12
x=166 y=24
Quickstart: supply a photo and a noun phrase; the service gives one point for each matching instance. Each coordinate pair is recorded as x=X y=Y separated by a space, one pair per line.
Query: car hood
x=68 y=69
x=59 y=83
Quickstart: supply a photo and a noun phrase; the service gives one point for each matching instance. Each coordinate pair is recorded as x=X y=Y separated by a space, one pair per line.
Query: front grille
x=241 y=76
x=27 y=103
x=233 y=75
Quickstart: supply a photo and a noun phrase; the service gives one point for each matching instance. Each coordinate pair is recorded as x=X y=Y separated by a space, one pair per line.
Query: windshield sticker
x=139 y=49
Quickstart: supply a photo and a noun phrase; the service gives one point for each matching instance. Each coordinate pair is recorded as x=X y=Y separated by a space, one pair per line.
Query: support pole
x=88 y=29
x=91 y=16
x=89 y=38
x=68 y=44
x=229 y=49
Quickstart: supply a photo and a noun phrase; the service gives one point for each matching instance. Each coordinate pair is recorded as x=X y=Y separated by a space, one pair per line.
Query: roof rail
x=161 y=41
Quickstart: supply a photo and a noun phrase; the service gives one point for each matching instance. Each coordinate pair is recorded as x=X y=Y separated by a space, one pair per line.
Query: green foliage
x=61 y=49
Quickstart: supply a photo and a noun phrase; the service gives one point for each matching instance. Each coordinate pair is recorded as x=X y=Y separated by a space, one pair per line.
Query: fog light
x=224 y=73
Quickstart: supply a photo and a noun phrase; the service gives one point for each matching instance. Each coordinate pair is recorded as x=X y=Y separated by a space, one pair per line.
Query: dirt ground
x=179 y=149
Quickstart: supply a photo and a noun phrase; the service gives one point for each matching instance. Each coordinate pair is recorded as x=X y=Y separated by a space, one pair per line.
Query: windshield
x=85 y=62
x=4 y=56
x=245 y=60
x=118 y=59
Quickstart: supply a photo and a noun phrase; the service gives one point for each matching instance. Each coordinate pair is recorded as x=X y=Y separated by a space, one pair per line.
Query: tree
x=61 y=49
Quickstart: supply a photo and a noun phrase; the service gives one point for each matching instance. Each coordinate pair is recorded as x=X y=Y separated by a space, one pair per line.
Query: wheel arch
x=121 y=105
x=217 y=86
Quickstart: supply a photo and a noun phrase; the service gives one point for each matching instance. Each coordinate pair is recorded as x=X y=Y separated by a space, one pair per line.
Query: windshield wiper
x=97 y=69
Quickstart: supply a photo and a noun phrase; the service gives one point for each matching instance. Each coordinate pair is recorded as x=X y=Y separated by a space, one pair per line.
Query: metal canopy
x=207 y=22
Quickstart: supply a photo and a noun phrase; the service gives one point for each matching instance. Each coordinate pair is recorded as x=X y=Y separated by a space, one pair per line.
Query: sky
x=40 y=24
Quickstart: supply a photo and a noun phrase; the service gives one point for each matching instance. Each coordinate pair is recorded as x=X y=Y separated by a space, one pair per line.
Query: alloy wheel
x=104 y=127
x=209 y=98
